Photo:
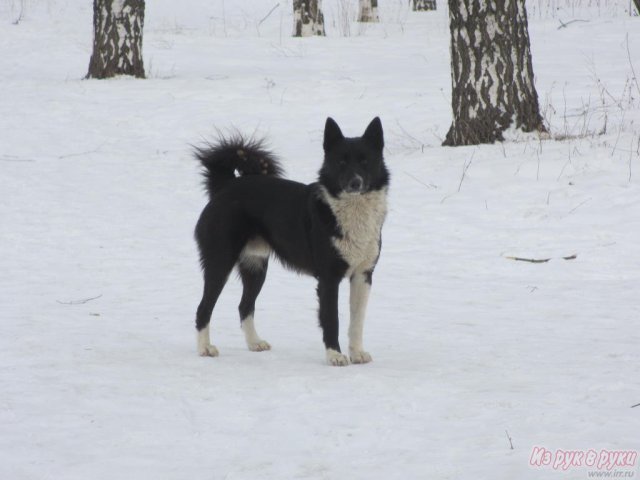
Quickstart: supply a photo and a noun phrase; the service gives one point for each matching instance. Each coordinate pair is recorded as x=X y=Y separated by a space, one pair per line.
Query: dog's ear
x=332 y=134
x=373 y=134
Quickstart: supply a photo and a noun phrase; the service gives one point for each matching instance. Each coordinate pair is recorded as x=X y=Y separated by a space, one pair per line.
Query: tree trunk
x=423 y=5
x=307 y=18
x=117 y=41
x=368 y=11
x=491 y=72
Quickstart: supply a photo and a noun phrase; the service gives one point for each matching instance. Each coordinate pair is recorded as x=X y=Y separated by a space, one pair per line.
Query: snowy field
x=99 y=194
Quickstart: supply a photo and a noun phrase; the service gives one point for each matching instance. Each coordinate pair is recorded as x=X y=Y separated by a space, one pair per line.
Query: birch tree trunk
x=491 y=72
x=307 y=18
x=423 y=5
x=117 y=41
x=368 y=11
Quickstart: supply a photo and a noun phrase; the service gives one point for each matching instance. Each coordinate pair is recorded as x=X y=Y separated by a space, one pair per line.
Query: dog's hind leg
x=215 y=277
x=253 y=271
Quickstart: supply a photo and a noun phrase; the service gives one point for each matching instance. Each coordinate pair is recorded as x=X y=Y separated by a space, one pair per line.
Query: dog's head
x=353 y=165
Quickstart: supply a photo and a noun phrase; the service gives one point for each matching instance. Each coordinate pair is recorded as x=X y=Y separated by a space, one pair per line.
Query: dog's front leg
x=358 y=298
x=328 y=298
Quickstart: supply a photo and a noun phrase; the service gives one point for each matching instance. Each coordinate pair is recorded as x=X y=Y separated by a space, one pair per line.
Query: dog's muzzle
x=355 y=185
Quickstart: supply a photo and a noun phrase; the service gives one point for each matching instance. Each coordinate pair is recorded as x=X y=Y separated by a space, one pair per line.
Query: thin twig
x=12 y=158
x=635 y=78
x=268 y=14
x=630 y=157
x=636 y=405
x=429 y=185
x=79 y=302
x=411 y=137
x=464 y=170
x=510 y=442
x=615 y=145
x=564 y=166
x=80 y=154
x=564 y=113
x=21 y=16
x=579 y=205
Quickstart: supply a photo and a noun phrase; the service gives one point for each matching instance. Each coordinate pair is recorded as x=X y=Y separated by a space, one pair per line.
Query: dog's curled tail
x=234 y=156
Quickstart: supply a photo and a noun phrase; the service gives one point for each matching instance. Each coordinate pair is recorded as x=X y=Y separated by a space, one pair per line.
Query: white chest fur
x=360 y=219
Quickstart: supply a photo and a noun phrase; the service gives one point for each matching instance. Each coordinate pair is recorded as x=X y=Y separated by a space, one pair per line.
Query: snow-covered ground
x=99 y=195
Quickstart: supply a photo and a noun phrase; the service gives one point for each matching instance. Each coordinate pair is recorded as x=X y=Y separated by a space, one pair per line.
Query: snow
x=100 y=194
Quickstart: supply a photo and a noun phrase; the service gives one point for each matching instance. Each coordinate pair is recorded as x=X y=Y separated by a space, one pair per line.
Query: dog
x=330 y=229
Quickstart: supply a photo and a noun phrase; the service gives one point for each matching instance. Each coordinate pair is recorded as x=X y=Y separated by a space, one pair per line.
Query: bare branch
x=564 y=25
x=540 y=260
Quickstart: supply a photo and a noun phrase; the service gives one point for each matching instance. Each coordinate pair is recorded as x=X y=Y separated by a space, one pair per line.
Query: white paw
x=359 y=356
x=336 y=358
x=208 y=351
x=259 y=346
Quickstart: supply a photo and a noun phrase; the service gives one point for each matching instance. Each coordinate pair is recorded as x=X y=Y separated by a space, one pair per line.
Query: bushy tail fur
x=234 y=156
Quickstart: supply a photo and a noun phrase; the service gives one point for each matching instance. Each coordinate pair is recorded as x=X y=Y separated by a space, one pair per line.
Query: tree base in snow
x=477 y=132
x=492 y=73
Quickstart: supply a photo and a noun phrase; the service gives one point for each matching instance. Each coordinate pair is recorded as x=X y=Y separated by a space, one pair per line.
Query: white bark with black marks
x=307 y=18
x=491 y=70
x=368 y=11
x=424 y=5
x=117 y=42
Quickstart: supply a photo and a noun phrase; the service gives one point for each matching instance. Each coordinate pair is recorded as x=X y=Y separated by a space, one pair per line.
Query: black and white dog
x=330 y=229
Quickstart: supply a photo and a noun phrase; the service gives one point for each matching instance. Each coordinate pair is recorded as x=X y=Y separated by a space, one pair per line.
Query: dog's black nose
x=355 y=185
